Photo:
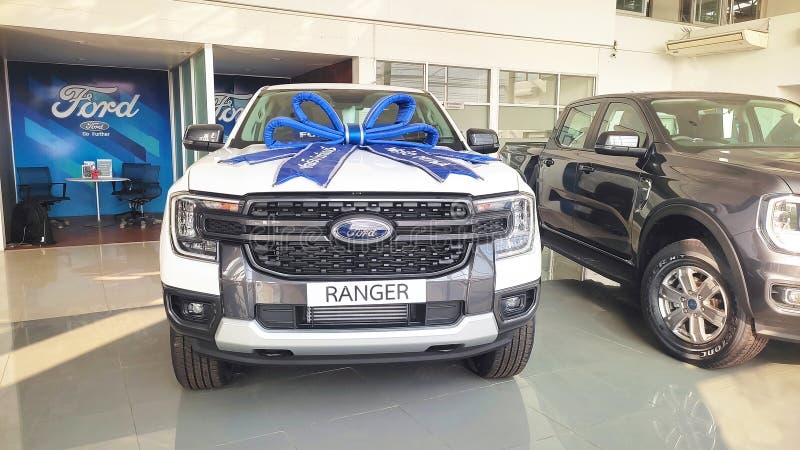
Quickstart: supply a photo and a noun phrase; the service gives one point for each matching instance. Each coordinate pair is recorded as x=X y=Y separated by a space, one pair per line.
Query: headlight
x=522 y=226
x=779 y=222
x=185 y=211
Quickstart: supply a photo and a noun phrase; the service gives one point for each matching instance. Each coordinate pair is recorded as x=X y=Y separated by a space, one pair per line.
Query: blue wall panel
x=53 y=107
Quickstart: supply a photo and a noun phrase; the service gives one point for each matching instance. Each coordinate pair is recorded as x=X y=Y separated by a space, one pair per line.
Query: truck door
x=607 y=186
x=558 y=167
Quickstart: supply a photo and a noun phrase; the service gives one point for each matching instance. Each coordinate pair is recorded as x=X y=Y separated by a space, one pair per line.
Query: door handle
x=549 y=162
x=585 y=168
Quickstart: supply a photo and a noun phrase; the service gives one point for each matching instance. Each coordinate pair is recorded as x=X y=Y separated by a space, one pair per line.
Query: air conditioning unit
x=725 y=39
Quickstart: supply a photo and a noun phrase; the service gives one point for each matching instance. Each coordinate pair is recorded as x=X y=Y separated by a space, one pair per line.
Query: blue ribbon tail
x=264 y=156
x=318 y=162
x=435 y=166
x=475 y=158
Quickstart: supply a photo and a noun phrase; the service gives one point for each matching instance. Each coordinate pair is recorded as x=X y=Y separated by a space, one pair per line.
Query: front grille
x=282 y=316
x=358 y=315
x=323 y=259
x=292 y=238
x=327 y=210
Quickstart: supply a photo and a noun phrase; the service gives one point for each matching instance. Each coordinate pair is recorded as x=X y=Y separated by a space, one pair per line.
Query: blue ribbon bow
x=319 y=161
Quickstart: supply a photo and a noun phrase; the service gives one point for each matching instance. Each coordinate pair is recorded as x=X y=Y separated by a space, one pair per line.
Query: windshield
x=352 y=106
x=729 y=122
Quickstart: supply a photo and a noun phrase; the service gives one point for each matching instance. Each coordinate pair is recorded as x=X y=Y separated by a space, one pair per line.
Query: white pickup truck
x=366 y=248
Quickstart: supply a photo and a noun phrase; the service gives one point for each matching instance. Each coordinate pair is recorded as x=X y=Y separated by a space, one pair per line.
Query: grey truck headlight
x=522 y=226
x=186 y=210
x=779 y=222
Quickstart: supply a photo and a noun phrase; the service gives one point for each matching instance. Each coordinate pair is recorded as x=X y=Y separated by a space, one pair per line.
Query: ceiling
x=65 y=47
x=39 y=45
x=276 y=63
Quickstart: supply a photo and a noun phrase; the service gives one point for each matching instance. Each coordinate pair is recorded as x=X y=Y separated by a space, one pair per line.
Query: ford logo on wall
x=94 y=125
x=362 y=230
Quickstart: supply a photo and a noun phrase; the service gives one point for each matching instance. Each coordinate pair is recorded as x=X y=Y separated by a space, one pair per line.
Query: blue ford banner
x=63 y=115
x=231 y=94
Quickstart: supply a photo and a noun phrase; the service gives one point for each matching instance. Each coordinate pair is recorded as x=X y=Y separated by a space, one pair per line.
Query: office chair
x=142 y=187
x=36 y=184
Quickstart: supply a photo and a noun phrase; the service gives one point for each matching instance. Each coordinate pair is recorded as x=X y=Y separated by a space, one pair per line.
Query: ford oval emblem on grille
x=362 y=230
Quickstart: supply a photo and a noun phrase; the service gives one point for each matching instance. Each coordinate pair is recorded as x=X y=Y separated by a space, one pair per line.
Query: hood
x=779 y=161
x=361 y=172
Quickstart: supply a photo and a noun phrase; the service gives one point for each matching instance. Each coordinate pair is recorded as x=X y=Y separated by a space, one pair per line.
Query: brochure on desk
x=63 y=115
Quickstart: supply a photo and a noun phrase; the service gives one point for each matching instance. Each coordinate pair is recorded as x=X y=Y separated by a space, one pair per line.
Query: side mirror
x=483 y=141
x=619 y=143
x=204 y=137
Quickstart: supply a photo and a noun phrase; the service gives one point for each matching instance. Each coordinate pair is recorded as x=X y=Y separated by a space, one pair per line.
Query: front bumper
x=234 y=331
x=764 y=268
x=246 y=336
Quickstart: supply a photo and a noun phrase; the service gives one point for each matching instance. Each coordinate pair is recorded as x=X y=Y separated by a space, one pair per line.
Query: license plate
x=384 y=292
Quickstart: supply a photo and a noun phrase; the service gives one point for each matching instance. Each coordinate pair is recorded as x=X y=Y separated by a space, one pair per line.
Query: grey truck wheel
x=694 y=311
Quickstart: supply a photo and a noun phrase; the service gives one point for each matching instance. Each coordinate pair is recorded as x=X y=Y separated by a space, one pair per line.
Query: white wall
x=763 y=72
x=641 y=62
x=528 y=35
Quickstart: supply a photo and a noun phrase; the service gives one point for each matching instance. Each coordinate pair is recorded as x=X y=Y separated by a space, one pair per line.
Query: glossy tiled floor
x=85 y=364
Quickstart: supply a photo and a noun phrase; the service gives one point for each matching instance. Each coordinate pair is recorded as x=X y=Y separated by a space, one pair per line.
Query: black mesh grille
x=328 y=258
x=326 y=210
x=491 y=226
x=220 y=226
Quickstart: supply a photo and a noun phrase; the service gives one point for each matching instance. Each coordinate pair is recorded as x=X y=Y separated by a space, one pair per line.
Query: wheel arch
x=659 y=231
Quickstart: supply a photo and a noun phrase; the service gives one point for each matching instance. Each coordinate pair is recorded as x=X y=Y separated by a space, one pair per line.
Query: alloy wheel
x=693 y=304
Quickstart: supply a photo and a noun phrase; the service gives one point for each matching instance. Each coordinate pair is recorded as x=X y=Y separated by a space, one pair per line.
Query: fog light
x=513 y=305
x=195 y=308
x=196 y=311
x=786 y=295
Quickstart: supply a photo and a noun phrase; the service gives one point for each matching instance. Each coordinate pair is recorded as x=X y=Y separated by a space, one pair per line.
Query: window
x=743 y=10
x=403 y=74
x=637 y=6
x=530 y=103
x=725 y=122
x=528 y=88
x=465 y=92
x=624 y=117
x=707 y=11
x=575 y=88
x=576 y=125
x=459 y=84
x=351 y=106
x=710 y=12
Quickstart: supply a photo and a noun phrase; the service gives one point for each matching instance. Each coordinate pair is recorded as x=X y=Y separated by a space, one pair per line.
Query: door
x=558 y=168
x=606 y=186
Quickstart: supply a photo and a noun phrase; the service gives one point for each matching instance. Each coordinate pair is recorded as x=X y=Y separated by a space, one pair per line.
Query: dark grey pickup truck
x=690 y=197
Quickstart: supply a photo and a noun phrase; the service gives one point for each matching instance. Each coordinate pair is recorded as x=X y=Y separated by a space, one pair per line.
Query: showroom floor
x=84 y=360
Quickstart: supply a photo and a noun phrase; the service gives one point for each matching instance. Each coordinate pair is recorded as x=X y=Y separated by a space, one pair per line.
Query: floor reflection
x=597 y=379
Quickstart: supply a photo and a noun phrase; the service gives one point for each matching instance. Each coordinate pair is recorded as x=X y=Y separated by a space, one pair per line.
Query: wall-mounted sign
x=453 y=105
x=63 y=115
x=231 y=94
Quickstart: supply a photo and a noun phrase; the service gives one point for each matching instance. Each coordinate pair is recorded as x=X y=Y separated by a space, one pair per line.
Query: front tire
x=196 y=371
x=693 y=311
x=508 y=360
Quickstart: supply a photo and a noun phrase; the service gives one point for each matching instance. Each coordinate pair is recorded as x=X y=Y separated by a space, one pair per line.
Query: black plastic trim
x=192 y=328
x=505 y=324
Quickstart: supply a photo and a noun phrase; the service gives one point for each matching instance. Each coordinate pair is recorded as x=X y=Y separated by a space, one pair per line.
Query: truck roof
x=657 y=95
x=365 y=87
